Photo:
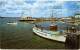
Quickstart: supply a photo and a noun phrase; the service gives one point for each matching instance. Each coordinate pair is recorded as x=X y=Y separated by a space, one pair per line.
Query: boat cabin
x=53 y=27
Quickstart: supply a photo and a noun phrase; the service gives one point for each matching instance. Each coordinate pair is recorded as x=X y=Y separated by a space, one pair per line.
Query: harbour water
x=21 y=36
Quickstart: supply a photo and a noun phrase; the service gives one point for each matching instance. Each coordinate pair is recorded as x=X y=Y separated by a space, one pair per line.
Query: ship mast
x=51 y=14
x=22 y=13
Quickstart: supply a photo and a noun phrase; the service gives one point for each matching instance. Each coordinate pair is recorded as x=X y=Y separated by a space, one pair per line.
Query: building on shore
x=27 y=18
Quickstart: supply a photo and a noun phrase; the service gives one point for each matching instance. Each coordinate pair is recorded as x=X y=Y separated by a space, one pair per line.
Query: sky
x=39 y=8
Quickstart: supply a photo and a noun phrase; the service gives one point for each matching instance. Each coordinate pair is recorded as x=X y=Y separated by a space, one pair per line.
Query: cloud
x=38 y=8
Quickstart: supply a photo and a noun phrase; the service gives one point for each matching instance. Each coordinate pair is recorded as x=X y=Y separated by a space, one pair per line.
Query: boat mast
x=22 y=13
x=51 y=14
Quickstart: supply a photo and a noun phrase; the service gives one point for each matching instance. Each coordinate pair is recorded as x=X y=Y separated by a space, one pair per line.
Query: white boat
x=14 y=23
x=53 y=35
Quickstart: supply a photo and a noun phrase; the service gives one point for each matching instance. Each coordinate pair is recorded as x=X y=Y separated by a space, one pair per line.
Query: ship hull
x=58 y=38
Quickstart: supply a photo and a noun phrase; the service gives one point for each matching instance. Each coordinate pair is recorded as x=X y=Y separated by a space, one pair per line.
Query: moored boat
x=53 y=35
x=14 y=23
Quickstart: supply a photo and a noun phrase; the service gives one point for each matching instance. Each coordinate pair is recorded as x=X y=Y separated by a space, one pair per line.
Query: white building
x=77 y=16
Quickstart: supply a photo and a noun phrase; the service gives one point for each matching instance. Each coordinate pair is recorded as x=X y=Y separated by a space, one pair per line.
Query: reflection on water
x=21 y=36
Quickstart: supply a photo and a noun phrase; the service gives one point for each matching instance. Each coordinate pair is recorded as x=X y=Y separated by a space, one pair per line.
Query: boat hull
x=48 y=36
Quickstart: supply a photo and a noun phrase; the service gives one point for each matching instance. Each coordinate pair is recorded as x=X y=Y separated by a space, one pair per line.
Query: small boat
x=53 y=35
x=14 y=23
